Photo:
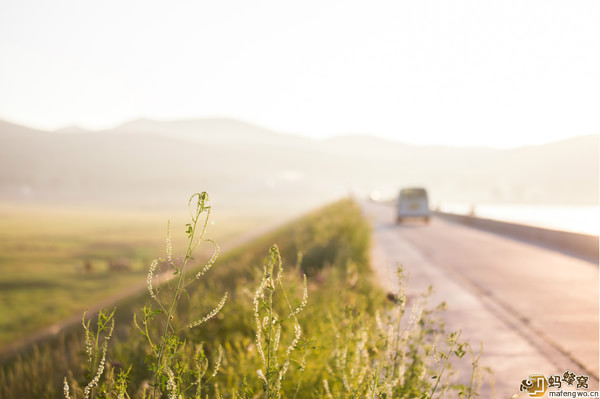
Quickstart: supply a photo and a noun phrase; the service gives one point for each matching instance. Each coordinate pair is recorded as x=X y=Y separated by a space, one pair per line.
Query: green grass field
x=54 y=262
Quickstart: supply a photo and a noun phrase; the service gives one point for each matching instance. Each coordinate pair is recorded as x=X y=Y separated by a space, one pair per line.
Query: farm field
x=56 y=262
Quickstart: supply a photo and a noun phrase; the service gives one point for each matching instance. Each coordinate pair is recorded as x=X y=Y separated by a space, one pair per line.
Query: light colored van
x=413 y=203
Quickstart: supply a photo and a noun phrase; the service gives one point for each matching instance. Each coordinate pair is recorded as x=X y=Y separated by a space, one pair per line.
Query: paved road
x=535 y=310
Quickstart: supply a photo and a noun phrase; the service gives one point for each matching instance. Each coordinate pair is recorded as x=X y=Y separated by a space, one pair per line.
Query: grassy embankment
x=348 y=340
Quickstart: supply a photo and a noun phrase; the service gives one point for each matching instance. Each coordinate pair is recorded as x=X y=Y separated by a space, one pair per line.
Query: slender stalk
x=188 y=255
x=302 y=366
x=270 y=334
x=439 y=377
x=475 y=363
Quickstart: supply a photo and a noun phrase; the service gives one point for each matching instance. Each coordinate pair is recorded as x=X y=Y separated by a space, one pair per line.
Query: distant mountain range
x=146 y=163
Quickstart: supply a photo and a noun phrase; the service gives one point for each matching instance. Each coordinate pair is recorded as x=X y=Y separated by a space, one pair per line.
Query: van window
x=413 y=193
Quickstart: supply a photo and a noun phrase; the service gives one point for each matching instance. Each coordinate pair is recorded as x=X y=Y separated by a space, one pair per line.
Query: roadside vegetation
x=294 y=314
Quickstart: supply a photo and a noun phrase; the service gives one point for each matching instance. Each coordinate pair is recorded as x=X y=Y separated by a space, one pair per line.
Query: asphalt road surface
x=535 y=309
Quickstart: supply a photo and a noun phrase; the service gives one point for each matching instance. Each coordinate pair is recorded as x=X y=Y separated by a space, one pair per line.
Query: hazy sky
x=478 y=72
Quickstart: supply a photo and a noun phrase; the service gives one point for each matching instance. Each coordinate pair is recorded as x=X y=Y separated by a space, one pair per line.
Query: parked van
x=413 y=203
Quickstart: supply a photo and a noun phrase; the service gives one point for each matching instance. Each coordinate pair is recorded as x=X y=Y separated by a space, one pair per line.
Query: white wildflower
x=169 y=245
x=261 y=375
x=171 y=385
x=88 y=339
x=212 y=314
x=297 y=334
x=218 y=363
x=150 y=277
x=94 y=382
x=259 y=346
x=66 y=389
x=286 y=364
x=257 y=298
x=211 y=261
x=327 y=391
x=277 y=335
x=304 y=301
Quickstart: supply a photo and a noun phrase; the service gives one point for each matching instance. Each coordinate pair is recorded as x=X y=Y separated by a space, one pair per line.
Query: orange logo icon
x=536 y=385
